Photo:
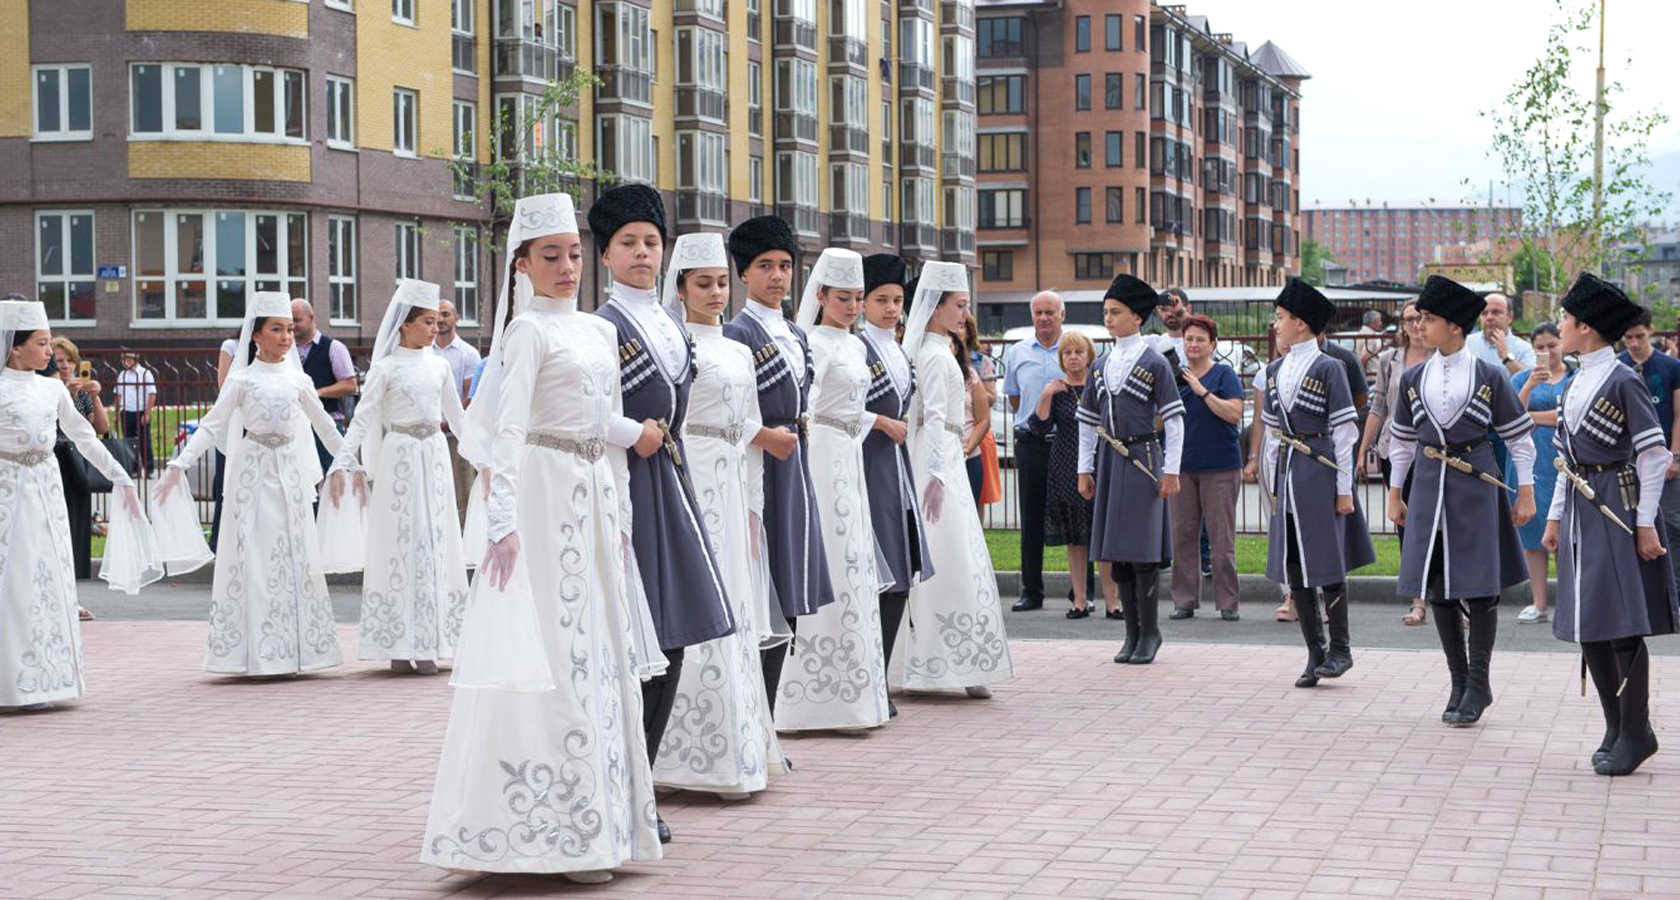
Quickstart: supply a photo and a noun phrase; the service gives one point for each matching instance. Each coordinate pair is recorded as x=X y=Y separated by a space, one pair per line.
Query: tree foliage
x=1314 y=257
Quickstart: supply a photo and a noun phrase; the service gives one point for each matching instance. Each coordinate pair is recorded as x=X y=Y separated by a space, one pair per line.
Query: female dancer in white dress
x=269 y=610
x=721 y=737
x=40 y=637
x=414 y=593
x=836 y=674
x=953 y=636
x=553 y=780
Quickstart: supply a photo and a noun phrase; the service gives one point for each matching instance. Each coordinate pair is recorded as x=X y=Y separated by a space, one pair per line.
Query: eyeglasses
x=1411 y=320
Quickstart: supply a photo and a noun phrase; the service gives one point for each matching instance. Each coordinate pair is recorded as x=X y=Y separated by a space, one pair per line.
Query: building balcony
x=710 y=10
x=848 y=139
x=701 y=103
x=624 y=85
x=515 y=58
x=914 y=76
x=957 y=165
x=796 y=127
x=1215 y=248
x=805 y=220
x=797 y=34
x=848 y=51
x=702 y=208
x=916 y=156
x=911 y=7
x=915 y=236
x=463 y=53
x=959 y=90
x=957 y=240
x=848 y=228
x=958 y=14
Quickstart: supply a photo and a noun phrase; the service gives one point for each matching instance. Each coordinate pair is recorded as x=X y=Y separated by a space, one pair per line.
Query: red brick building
x=1125 y=136
x=1393 y=241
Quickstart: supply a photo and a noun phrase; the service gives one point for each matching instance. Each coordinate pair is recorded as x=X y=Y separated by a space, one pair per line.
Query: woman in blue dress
x=1539 y=389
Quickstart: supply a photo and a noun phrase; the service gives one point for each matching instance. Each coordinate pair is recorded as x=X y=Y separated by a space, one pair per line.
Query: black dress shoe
x=1207 y=570
x=664 y=830
x=892 y=710
x=1028 y=604
x=1229 y=615
x=1077 y=613
x=1182 y=612
x=1114 y=614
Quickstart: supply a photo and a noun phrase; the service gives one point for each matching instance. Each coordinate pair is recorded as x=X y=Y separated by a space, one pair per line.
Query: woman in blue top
x=1539 y=389
x=1210 y=473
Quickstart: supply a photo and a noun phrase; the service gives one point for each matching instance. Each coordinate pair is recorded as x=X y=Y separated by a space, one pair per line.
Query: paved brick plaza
x=1080 y=779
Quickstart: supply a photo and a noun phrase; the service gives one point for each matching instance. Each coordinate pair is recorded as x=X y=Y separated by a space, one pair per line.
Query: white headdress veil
x=835 y=268
x=411 y=294
x=533 y=217
x=936 y=280
x=701 y=250
x=17 y=316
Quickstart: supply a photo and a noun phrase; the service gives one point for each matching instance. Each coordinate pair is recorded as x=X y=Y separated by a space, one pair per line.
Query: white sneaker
x=1531 y=614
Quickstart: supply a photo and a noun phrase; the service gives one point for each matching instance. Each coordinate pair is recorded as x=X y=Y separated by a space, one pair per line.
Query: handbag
x=96 y=481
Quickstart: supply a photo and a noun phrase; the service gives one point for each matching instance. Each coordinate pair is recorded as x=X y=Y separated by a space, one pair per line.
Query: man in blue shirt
x=1495 y=343
x=1027 y=367
x=1661 y=374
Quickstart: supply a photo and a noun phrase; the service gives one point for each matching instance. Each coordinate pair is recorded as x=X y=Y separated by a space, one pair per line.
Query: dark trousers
x=976 y=477
x=78 y=506
x=659 y=695
x=139 y=437
x=1032 y=469
x=216 y=495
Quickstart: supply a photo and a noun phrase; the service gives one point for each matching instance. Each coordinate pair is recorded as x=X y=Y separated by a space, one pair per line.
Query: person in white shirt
x=136 y=396
x=1495 y=343
x=463 y=360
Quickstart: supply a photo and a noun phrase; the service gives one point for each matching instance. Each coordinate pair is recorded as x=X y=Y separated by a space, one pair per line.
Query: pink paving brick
x=1079 y=779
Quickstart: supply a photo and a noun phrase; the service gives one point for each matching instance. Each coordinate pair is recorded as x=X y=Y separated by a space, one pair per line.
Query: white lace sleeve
x=325 y=428
x=520 y=361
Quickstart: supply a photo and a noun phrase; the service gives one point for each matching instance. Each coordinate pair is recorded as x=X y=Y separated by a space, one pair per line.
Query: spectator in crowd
x=72 y=468
x=1209 y=475
x=1173 y=311
x=1067 y=515
x=1661 y=374
x=224 y=364
x=327 y=363
x=1358 y=384
x=1495 y=343
x=1369 y=347
x=1410 y=349
x=1027 y=367
x=977 y=431
x=464 y=361
x=1540 y=388
x=136 y=396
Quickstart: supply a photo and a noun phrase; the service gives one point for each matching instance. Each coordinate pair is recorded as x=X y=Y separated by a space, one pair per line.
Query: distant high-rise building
x=1393 y=241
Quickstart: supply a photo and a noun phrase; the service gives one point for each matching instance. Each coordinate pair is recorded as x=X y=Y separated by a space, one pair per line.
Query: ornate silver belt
x=271 y=440
x=27 y=458
x=588 y=449
x=730 y=435
x=850 y=428
x=417 y=430
x=950 y=428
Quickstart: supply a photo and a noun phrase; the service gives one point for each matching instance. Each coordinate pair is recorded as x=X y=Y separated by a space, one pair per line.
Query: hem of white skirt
x=833 y=726
x=956 y=682
x=33 y=699
x=649 y=851
x=293 y=670
x=751 y=786
x=390 y=655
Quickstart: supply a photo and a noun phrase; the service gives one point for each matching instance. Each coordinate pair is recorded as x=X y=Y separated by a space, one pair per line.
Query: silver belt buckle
x=27 y=458
x=271 y=440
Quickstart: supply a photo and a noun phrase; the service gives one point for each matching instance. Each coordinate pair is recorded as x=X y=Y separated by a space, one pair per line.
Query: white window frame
x=341 y=269
x=708 y=171
x=916 y=205
x=348 y=6
x=64 y=132
x=467 y=268
x=341 y=90
x=403 y=12
x=853 y=108
x=65 y=277
x=800 y=187
x=848 y=188
x=465 y=135
x=207 y=104
x=399 y=94
x=406 y=234
x=461 y=15
x=633 y=156
x=755 y=179
x=281 y=279
x=801 y=81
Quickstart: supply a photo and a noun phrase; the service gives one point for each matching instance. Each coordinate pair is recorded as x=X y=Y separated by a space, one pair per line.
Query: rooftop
x=1271 y=59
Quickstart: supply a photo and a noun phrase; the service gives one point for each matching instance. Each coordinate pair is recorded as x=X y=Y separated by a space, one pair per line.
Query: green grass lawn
x=1005 y=547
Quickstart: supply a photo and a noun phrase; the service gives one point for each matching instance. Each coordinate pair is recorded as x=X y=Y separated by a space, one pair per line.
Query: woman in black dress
x=1067 y=516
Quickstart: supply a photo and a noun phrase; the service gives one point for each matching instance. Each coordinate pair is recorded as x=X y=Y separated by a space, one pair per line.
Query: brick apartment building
x=1118 y=135
x=1393 y=241
x=165 y=158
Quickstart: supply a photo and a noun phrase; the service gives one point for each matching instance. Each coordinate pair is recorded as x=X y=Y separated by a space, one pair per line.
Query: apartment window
x=462 y=46
x=404 y=106
x=1140 y=205
x=64 y=265
x=1082 y=34
x=1140 y=155
x=702 y=63
x=1001 y=94
x=958 y=137
x=346 y=5
x=466 y=272
x=1113 y=146
x=1093 y=266
x=703 y=162
x=466 y=139
x=915 y=122
x=848 y=185
x=1081 y=92
x=755 y=179
x=754 y=12
x=1140 y=32
x=408 y=249
x=796 y=178
x=201 y=265
x=1114 y=91
x=1082 y=150
x=63 y=103
x=848 y=102
x=623 y=38
x=216 y=102
x=1001 y=37
x=523 y=135
x=959 y=209
x=915 y=41
x=1112 y=24
x=1082 y=205
x=755 y=99
x=1003 y=152
x=341 y=267
x=796 y=86
x=917 y=203
x=341 y=112
x=402 y=11
x=1114 y=203
x=1002 y=208
x=1140 y=91
x=626 y=147
x=997 y=265
x=959 y=57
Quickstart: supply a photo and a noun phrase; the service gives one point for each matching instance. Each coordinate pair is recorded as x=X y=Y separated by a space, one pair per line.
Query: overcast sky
x=1391 y=110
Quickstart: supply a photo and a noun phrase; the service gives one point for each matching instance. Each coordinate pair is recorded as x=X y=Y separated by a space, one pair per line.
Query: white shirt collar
x=634 y=296
x=764 y=314
x=884 y=336
x=1306 y=347
x=554 y=304
x=1599 y=357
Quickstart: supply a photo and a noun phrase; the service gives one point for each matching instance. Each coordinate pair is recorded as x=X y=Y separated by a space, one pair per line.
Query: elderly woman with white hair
x=836 y=678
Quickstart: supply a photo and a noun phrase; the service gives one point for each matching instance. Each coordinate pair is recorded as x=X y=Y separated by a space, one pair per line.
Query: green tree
x=1543 y=138
x=1535 y=269
x=1314 y=257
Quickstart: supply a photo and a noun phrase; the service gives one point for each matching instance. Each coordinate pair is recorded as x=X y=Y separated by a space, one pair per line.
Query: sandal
x=1079 y=612
x=1286 y=612
x=84 y=614
x=1418 y=614
x=1115 y=613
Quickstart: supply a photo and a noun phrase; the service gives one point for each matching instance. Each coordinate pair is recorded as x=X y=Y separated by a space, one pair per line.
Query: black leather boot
x=1600 y=660
x=1312 y=630
x=1478 y=691
x=1635 y=743
x=1450 y=629
x=1128 y=609
x=1149 y=612
x=772 y=659
x=1339 y=658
